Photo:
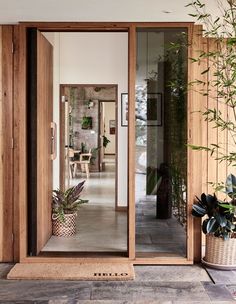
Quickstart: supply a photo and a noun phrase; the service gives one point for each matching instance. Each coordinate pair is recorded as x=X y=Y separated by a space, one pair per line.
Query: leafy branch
x=219 y=83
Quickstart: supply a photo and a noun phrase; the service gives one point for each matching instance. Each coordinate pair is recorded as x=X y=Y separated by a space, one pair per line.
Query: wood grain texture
x=20 y=158
x=1 y=151
x=16 y=93
x=101 y=26
x=195 y=105
x=147 y=260
x=6 y=135
x=222 y=137
x=44 y=119
x=212 y=132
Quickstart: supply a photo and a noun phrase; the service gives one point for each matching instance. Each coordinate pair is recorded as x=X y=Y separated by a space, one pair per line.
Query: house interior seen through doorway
x=89 y=72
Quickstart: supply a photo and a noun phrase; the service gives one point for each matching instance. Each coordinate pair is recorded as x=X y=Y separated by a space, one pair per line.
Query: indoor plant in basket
x=65 y=205
x=219 y=226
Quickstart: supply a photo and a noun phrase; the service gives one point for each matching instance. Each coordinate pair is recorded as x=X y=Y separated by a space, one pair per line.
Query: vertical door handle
x=53 y=140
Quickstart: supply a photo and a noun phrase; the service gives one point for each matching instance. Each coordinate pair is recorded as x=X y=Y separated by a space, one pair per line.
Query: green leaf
x=198 y=211
x=221 y=220
x=230 y=186
x=199 y=148
x=194 y=59
x=205 y=71
x=217 y=19
x=204 y=226
x=212 y=225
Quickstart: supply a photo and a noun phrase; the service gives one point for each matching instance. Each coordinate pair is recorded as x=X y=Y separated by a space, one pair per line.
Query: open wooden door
x=40 y=116
x=6 y=144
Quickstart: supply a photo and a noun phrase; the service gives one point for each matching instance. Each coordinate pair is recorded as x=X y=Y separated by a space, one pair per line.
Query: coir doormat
x=69 y=271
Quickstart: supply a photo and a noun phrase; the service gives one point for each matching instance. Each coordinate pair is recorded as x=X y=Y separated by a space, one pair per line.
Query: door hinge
x=12 y=143
x=12 y=237
x=12 y=47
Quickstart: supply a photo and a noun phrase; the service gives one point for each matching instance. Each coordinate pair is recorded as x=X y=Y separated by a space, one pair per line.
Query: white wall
x=109 y=109
x=94 y=10
x=95 y=58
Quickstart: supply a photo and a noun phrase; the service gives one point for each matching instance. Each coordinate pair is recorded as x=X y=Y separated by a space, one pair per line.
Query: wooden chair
x=84 y=162
x=71 y=155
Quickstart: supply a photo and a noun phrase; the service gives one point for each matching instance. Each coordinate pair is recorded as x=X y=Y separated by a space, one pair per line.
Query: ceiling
x=13 y=11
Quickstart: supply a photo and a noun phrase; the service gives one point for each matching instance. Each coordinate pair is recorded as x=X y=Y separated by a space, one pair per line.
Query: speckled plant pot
x=66 y=228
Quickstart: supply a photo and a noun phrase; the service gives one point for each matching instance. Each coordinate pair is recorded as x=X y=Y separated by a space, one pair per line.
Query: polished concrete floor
x=152 y=285
x=99 y=226
x=102 y=229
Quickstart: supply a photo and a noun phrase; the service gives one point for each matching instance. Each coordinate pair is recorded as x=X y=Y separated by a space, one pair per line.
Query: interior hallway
x=99 y=226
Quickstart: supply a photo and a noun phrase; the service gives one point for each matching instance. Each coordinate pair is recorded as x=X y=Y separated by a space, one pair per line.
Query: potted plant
x=87 y=122
x=65 y=205
x=219 y=226
x=106 y=141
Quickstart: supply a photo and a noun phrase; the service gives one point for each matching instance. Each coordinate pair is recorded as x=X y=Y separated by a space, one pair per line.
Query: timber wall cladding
x=205 y=169
x=6 y=151
x=212 y=171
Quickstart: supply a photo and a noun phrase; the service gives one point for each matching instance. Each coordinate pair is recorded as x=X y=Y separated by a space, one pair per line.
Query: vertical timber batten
x=16 y=93
x=20 y=121
x=6 y=143
x=196 y=103
x=1 y=151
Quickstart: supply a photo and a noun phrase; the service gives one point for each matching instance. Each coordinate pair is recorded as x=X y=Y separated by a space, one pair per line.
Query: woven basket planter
x=66 y=228
x=220 y=251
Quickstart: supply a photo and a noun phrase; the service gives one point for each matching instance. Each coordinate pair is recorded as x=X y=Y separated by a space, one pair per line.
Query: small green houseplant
x=219 y=226
x=65 y=205
x=106 y=141
x=87 y=122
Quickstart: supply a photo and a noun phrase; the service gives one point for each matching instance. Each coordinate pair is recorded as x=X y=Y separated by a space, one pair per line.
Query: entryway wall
x=197 y=135
x=93 y=58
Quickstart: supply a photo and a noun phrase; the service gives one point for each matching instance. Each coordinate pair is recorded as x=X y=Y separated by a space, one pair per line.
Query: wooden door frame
x=20 y=137
x=62 y=135
x=7 y=222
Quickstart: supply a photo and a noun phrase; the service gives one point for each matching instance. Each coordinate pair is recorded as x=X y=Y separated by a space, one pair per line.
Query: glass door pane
x=161 y=137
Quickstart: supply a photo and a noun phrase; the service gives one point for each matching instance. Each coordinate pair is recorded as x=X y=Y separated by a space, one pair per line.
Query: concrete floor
x=101 y=228
x=153 y=284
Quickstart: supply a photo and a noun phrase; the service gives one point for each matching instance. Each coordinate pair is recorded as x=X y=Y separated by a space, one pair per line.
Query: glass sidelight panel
x=161 y=136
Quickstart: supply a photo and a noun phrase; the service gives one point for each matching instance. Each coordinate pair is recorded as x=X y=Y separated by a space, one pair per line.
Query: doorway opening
x=88 y=142
x=145 y=100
